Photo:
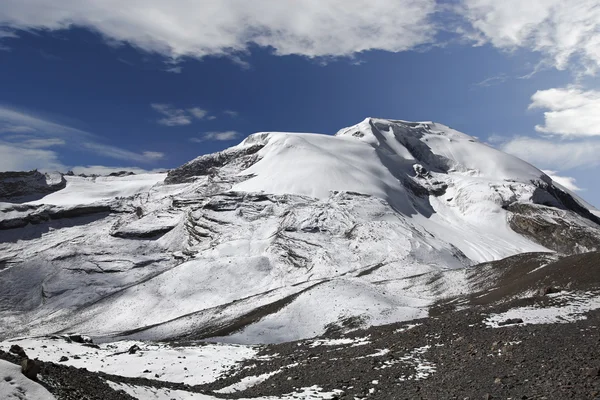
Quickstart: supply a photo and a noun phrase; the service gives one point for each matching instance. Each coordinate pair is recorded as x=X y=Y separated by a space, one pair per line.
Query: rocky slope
x=528 y=332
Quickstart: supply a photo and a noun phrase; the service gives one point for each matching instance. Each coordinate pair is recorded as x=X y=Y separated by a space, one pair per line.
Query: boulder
x=18 y=350
x=30 y=368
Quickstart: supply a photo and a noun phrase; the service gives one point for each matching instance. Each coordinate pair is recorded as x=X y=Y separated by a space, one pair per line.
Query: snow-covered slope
x=281 y=237
x=14 y=385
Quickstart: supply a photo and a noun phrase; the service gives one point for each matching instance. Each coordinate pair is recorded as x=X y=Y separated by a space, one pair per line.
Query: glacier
x=282 y=237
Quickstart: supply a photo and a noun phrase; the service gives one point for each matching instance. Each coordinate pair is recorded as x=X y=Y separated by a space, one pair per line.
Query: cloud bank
x=194 y=28
x=571 y=111
x=566 y=33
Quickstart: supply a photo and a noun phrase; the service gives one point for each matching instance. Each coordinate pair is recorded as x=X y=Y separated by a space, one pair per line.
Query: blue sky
x=91 y=87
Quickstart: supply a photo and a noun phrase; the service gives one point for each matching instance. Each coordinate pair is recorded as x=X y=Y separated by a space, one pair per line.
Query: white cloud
x=172 y=116
x=231 y=113
x=16 y=158
x=572 y=111
x=15 y=121
x=493 y=80
x=495 y=138
x=217 y=136
x=174 y=70
x=16 y=129
x=122 y=154
x=198 y=112
x=560 y=155
x=228 y=27
x=563 y=31
x=153 y=155
x=7 y=34
x=25 y=137
x=31 y=154
x=42 y=143
x=565 y=181
x=177 y=116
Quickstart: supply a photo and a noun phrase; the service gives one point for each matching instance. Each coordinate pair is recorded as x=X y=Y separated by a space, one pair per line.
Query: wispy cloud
x=26 y=141
x=17 y=158
x=153 y=155
x=5 y=34
x=175 y=70
x=491 y=81
x=7 y=128
x=126 y=62
x=555 y=154
x=217 y=136
x=566 y=181
x=122 y=154
x=198 y=112
x=42 y=143
x=231 y=113
x=173 y=116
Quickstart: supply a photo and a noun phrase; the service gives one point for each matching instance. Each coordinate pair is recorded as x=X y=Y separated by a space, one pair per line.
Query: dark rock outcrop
x=15 y=185
x=241 y=158
x=18 y=350
x=554 y=229
x=549 y=195
x=30 y=368
x=49 y=213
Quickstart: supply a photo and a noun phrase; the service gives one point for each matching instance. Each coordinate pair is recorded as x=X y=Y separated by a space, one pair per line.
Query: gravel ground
x=451 y=355
x=470 y=360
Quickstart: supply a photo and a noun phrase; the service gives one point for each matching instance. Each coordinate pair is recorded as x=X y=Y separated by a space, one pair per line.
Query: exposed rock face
x=208 y=164
x=30 y=368
x=47 y=213
x=21 y=184
x=18 y=350
x=549 y=195
x=560 y=230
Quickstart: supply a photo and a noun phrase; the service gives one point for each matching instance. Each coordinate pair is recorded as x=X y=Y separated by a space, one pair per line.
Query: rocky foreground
x=532 y=335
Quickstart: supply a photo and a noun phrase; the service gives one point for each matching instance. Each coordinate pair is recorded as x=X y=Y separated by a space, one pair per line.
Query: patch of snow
x=573 y=308
x=423 y=368
x=308 y=314
x=341 y=341
x=406 y=328
x=379 y=353
x=16 y=386
x=247 y=382
x=538 y=268
x=80 y=190
x=191 y=365
x=149 y=393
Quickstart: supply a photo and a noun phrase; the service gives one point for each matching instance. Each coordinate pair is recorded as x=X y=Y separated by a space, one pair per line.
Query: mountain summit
x=282 y=237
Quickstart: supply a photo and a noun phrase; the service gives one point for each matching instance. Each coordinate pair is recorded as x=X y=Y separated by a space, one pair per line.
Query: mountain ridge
x=361 y=213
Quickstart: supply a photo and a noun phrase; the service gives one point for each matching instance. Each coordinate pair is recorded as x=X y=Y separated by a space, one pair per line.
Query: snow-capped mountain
x=284 y=236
